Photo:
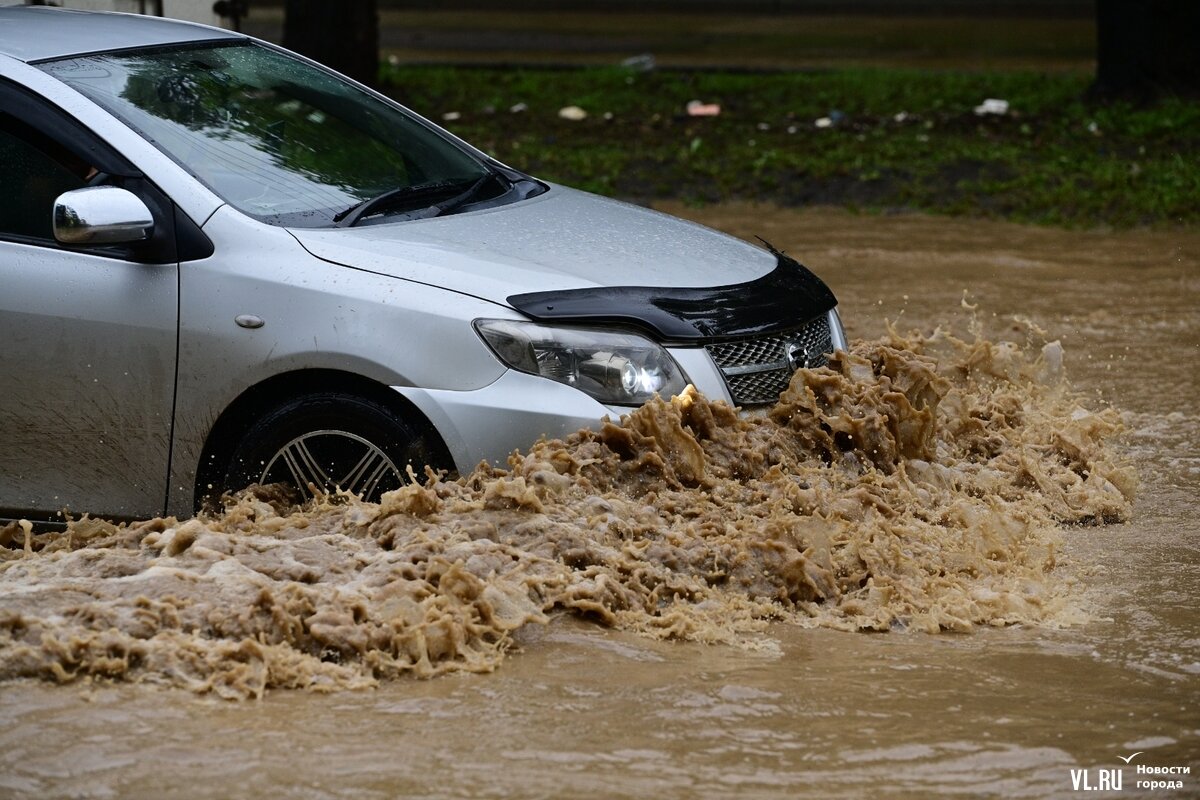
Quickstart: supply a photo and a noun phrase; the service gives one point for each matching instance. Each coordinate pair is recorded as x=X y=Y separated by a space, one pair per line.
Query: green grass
x=1051 y=159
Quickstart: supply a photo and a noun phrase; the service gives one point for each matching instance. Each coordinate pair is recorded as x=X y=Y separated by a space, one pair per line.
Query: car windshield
x=279 y=139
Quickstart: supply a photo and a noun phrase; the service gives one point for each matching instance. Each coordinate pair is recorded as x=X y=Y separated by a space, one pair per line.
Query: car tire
x=327 y=441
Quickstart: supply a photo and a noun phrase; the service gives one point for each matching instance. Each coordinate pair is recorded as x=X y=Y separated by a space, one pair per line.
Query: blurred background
x=1077 y=113
x=765 y=34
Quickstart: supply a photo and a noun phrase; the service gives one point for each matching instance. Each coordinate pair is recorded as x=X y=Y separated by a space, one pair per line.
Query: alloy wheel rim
x=324 y=461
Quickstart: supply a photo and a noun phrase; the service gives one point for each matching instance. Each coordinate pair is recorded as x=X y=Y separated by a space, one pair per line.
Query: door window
x=34 y=171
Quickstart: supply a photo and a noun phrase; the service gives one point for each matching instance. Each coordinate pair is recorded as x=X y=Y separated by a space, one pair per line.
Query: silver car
x=222 y=263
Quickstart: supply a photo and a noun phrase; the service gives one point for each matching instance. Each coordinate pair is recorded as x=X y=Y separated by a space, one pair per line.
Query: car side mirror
x=101 y=215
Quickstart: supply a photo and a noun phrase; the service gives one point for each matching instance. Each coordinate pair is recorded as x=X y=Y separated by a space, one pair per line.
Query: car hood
x=560 y=240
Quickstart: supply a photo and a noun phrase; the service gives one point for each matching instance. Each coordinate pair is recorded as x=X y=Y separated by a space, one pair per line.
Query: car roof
x=38 y=33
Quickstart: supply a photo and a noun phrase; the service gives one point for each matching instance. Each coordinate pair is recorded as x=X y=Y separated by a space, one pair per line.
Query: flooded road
x=1104 y=663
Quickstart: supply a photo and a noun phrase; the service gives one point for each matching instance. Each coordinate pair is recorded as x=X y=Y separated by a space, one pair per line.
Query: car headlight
x=621 y=369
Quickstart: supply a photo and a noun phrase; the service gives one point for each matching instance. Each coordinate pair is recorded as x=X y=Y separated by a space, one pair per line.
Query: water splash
x=918 y=482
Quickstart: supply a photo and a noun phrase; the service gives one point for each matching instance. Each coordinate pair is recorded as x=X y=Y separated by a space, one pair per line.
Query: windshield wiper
x=459 y=200
x=351 y=216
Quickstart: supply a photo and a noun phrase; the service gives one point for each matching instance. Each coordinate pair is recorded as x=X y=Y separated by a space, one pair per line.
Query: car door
x=88 y=336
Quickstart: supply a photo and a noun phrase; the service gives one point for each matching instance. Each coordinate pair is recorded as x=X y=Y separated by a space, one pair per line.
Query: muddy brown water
x=1062 y=648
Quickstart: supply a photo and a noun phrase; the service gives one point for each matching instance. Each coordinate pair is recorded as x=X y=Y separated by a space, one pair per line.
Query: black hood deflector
x=780 y=300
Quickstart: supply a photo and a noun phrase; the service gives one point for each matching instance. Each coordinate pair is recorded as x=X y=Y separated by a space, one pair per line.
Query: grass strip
x=871 y=139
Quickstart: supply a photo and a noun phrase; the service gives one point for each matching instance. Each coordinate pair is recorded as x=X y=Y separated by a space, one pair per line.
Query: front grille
x=757 y=370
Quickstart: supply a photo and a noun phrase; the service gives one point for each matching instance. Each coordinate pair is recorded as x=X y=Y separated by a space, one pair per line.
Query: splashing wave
x=917 y=482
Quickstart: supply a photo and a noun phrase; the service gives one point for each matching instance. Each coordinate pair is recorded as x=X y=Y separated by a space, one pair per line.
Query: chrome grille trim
x=757 y=370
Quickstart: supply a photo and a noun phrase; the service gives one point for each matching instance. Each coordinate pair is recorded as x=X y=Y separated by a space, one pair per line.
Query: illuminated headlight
x=621 y=369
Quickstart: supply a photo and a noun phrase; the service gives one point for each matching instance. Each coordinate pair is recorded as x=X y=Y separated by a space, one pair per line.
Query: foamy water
x=916 y=483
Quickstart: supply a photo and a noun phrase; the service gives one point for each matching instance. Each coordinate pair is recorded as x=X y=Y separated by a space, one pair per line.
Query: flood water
x=1102 y=661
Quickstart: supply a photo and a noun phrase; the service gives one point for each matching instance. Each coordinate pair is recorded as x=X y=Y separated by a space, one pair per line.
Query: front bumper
x=512 y=413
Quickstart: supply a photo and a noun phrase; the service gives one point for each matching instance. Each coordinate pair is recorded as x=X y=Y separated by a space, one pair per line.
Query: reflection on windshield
x=275 y=137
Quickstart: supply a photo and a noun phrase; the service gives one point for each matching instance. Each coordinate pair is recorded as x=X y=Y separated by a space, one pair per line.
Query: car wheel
x=323 y=442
